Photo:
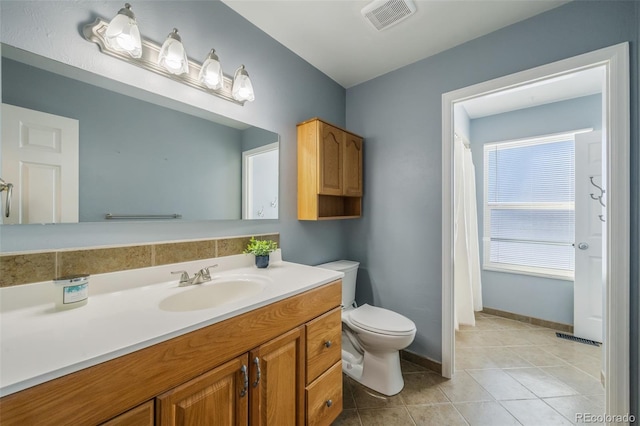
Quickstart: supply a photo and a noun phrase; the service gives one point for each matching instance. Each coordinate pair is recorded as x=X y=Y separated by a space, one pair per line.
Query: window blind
x=529 y=206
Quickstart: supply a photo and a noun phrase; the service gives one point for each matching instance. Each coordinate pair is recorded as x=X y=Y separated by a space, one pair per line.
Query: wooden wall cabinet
x=278 y=365
x=329 y=172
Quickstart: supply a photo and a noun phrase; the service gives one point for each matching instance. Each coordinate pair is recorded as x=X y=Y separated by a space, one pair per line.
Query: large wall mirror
x=135 y=159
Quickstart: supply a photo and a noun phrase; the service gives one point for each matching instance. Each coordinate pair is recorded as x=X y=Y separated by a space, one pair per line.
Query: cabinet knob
x=328 y=343
x=329 y=403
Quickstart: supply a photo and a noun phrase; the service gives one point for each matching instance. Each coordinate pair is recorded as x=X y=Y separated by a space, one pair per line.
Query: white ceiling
x=569 y=86
x=333 y=36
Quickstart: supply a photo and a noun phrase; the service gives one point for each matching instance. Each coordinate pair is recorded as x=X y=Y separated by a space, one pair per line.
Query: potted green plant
x=261 y=249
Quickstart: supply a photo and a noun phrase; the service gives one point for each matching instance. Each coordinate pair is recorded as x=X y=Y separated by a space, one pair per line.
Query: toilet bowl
x=371 y=337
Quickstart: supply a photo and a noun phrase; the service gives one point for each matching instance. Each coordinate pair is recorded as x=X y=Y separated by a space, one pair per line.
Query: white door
x=588 y=292
x=40 y=158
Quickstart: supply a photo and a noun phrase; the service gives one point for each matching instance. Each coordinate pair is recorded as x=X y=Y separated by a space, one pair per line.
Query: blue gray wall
x=53 y=29
x=537 y=297
x=398 y=240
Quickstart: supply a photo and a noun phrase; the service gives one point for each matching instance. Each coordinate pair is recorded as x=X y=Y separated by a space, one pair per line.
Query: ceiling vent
x=385 y=13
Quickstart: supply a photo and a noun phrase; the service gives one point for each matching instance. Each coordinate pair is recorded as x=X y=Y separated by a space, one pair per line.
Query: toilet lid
x=380 y=320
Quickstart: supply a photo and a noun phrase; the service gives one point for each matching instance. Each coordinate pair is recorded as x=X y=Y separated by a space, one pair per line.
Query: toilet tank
x=350 y=270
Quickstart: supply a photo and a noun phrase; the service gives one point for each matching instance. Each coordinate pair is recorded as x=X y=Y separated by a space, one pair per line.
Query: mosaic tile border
x=17 y=269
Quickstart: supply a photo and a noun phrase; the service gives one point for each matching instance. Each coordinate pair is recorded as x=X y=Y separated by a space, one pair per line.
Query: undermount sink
x=219 y=291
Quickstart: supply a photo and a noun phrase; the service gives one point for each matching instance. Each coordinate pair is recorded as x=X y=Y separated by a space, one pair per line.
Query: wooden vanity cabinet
x=197 y=378
x=329 y=172
x=142 y=415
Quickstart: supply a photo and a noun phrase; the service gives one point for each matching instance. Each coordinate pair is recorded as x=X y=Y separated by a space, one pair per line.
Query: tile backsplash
x=16 y=269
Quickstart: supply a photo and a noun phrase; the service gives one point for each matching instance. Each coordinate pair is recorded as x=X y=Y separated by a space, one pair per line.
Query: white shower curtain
x=467 y=284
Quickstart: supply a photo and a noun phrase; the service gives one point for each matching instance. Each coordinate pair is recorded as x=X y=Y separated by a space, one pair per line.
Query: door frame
x=616 y=124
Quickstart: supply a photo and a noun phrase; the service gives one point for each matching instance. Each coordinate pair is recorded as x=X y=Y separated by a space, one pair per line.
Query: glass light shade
x=172 y=55
x=242 y=89
x=123 y=34
x=211 y=72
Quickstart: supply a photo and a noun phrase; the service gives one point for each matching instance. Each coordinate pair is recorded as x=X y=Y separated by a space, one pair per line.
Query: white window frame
x=487 y=264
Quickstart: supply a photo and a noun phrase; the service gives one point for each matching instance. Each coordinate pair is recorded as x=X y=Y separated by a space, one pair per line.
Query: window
x=529 y=215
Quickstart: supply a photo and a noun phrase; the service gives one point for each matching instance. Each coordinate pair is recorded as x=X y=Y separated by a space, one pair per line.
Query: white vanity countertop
x=39 y=343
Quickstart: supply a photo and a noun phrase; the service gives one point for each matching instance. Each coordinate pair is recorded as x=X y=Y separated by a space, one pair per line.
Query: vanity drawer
x=324 y=345
x=324 y=397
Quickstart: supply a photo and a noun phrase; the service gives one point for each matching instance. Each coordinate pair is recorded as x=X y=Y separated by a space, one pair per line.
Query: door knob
x=583 y=246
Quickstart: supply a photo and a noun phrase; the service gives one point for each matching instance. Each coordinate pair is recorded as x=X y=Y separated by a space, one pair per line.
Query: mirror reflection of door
x=40 y=157
x=260 y=182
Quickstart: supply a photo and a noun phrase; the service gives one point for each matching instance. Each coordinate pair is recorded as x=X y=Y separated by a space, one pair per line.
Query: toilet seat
x=382 y=321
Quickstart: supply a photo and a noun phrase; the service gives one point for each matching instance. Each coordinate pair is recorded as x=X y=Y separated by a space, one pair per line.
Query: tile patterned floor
x=507 y=373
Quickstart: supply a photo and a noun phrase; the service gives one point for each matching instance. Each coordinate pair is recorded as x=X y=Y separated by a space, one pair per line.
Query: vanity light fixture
x=123 y=34
x=121 y=39
x=211 y=72
x=172 y=55
x=242 y=88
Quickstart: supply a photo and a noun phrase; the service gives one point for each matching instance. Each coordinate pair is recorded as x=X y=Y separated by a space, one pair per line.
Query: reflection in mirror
x=133 y=157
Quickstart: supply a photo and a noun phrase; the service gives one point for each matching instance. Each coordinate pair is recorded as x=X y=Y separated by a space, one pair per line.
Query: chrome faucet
x=202 y=276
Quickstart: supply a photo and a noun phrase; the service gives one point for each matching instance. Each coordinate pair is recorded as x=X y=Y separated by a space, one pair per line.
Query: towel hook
x=598 y=198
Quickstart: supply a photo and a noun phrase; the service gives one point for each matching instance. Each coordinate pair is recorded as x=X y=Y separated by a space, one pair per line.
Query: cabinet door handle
x=329 y=403
x=328 y=343
x=256 y=361
x=245 y=380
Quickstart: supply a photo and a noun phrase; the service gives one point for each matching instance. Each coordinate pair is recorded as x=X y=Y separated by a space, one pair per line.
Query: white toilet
x=371 y=337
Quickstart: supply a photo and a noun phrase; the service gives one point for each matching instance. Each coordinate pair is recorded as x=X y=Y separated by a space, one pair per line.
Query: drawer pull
x=328 y=343
x=256 y=361
x=245 y=380
x=329 y=403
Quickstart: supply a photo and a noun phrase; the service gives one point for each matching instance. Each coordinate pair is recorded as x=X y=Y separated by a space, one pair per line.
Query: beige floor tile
x=436 y=415
x=482 y=323
x=409 y=367
x=541 y=336
x=514 y=338
x=348 y=401
x=486 y=413
x=367 y=398
x=506 y=357
x=463 y=388
x=504 y=369
x=571 y=407
x=509 y=324
x=500 y=385
x=348 y=418
x=596 y=403
x=540 y=383
x=478 y=338
x=577 y=379
x=591 y=366
x=398 y=416
x=422 y=388
x=474 y=358
x=537 y=356
x=534 y=412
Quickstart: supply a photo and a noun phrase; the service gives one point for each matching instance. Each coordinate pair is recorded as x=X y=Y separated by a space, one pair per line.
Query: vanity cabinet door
x=277 y=381
x=214 y=398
